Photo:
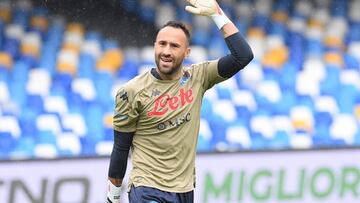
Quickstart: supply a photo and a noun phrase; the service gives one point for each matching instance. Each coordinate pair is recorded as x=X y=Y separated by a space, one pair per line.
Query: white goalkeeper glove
x=208 y=8
x=113 y=193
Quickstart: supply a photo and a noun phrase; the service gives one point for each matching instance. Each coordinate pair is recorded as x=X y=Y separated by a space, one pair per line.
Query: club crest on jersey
x=185 y=78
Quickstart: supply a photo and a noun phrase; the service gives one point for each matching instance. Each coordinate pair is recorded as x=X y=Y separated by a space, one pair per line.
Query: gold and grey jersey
x=165 y=116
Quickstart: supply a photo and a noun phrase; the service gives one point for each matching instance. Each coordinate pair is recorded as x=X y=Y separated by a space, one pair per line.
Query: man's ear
x=187 y=53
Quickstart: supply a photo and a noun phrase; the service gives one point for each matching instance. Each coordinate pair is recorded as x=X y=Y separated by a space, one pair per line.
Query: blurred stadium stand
x=61 y=64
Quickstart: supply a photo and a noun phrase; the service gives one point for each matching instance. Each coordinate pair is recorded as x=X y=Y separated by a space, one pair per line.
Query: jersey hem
x=160 y=188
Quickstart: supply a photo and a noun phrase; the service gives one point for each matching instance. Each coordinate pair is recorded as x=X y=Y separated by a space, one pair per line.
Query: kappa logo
x=123 y=95
x=155 y=93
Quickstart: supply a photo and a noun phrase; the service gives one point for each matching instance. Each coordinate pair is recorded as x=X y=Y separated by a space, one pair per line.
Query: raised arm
x=240 y=52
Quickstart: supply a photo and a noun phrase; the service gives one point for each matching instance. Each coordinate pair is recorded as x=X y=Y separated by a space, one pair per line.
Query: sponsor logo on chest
x=166 y=103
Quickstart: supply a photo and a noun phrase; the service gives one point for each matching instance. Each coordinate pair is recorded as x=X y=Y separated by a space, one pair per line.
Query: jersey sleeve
x=125 y=114
x=208 y=71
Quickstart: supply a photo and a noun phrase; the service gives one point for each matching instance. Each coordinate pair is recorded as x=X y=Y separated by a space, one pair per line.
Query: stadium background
x=284 y=129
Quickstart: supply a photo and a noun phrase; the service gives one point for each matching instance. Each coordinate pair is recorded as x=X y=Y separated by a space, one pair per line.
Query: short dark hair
x=179 y=25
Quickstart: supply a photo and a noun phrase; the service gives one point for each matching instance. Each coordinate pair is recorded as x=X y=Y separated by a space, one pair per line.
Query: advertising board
x=331 y=176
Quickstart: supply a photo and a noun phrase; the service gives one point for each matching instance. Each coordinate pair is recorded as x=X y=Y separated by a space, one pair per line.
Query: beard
x=168 y=65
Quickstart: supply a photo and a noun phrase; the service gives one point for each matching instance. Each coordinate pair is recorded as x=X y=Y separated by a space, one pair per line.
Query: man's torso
x=167 y=118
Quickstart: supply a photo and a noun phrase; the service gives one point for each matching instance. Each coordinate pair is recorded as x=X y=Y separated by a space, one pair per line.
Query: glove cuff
x=220 y=18
x=113 y=193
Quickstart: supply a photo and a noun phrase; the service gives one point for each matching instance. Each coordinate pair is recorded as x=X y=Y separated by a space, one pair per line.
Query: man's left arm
x=240 y=51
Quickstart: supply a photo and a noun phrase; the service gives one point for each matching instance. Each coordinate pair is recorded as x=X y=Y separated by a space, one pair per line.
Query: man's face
x=171 y=47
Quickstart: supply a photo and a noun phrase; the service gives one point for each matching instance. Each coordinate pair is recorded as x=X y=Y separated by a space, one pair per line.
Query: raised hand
x=203 y=7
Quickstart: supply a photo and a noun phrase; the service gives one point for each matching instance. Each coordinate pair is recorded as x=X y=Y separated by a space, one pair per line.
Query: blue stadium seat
x=278 y=28
x=108 y=134
x=217 y=126
x=204 y=145
x=216 y=47
x=323 y=119
x=354 y=33
x=261 y=21
x=4 y=74
x=200 y=37
x=61 y=84
x=305 y=100
x=18 y=92
x=206 y=108
x=346 y=98
x=36 y=103
x=7 y=143
x=130 y=6
x=338 y=143
x=147 y=14
x=321 y=140
x=109 y=44
x=223 y=92
x=244 y=115
x=287 y=76
x=2 y=25
x=65 y=153
x=287 y=101
x=258 y=141
x=27 y=123
x=21 y=16
x=351 y=62
x=20 y=71
x=330 y=83
x=87 y=145
x=78 y=104
x=93 y=117
x=103 y=84
x=241 y=25
x=11 y=46
x=183 y=15
x=93 y=35
x=24 y=148
x=279 y=141
x=357 y=139
x=128 y=70
x=314 y=47
x=296 y=43
x=86 y=68
x=45 y=137
x=339 y=8
x=48 y=56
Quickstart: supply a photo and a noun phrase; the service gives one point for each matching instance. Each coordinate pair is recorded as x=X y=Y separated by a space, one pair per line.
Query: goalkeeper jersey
x=165 y=116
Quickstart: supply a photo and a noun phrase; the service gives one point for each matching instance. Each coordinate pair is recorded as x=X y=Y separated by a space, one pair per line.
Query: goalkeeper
x=157 y=113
